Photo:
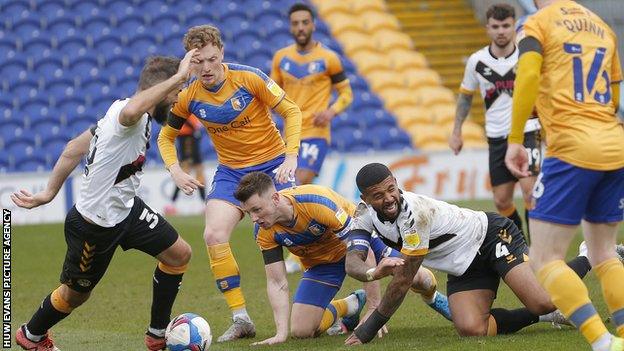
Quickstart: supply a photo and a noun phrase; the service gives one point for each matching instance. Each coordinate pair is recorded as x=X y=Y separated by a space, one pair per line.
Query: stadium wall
x=438 y=174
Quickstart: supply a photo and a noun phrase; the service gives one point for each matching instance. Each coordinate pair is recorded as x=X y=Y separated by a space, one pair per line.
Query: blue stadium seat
x=109 y=45
x=48 y=131
x=8 y=48
x=95 y=88
x=346 y=120
x=120 y=7
x=279 y=39
x=34 y=109
x=59 y=88
x=360 y=143
x=232 y=26
x=271 y=20
x=49 y=67
x=126 y=87
x=365 y=101
x=73 y=46
x=121 y=66
x=390 y=138
x=27 y=28
x=246 y=42
x=357 y=83
x=37 y=48
x=15 y=10
x=53 y=150
x=255 y=9
x=144 y=44
x=71 y=105
x=85 y=9
x=154 y=8
x=348 y=66
x=168 y=23
x=51 y=9
x=322 y=28
x=25 y=90
x=340 y=137
x=96 y=26
x=5 y=164
x=101 y=106
x=173 y=44
x=261 y=61
x=79 y=125
x=62 y=28
x=226 y=9
x=190 y=9
x=32 y=164
x=376 y=118
x=198 y=20
x=12 y=69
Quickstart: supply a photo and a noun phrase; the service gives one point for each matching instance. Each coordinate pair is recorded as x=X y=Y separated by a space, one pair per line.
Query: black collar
x=494 y=56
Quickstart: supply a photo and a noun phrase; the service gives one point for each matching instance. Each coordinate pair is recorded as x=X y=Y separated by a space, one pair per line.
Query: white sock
x=31 y=337
x=603 y=343
x=429 y=301
x=352 y=305
x=157 y=332
x=241 y=313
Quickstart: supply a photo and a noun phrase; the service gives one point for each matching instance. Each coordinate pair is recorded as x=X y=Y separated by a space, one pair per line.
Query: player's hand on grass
x=517 y=160
x=183 y=180
x=321 y=119
x=277 y=339
x=286 y=171
x=25 y=199
x=386 y=266
x=380 y=332
x=456 y=142
x=353 y=340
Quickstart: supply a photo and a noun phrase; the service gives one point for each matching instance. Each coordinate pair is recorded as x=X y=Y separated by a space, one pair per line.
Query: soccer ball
x=188 y=332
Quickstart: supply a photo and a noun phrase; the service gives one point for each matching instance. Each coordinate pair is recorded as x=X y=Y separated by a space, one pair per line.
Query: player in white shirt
x=475 y=248
x=492 y=70
x=108 y=212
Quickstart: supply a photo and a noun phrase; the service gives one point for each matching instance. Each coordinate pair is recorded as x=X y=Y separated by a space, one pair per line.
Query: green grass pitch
x=118 y=312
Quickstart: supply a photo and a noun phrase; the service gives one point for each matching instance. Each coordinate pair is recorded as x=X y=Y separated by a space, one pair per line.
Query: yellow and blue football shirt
x=321 y=218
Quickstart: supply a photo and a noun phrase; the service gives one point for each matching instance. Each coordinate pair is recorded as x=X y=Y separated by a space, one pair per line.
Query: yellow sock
x=611 y=276
x=336 y=309
x=428 y=291
x=570 y=295
x=226 y=273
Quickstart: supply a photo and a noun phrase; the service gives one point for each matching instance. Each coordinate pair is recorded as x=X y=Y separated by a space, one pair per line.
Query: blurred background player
x=492 y=70
x=108 y=212
x=308 y=72
x=190 y=158
x=570 y=70
x=311 y=221
x=234 y=104
x=476 y=250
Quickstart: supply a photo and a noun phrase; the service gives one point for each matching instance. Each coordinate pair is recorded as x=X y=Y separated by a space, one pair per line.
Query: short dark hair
x=253 y=183
x=500 y=12
x=371 y=174
x=157 y=69
x=300 y=7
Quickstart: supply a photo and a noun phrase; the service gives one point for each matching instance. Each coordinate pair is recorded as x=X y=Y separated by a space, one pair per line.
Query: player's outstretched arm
x=277 y=289
x=144 y=100
x=292 y=134
x=464 y=101
x=392 y=299
x=74 y=151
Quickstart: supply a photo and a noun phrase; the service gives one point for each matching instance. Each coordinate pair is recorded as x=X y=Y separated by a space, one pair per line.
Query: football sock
x=510 y=321
x=570 y=295
x=603 y=343
x=580 y=265
x=353 y=304
x=202 y=193
x=165 y=287
x=611 y=276
x=527 y=233
x=335 y=310
x=512 y=214
x=51 y=311
x=227 y=275
x=176 y=192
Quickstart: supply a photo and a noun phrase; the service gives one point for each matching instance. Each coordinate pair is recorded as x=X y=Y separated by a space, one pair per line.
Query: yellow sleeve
x=276 y=74
x=345 y=96
x=264 y=88
x=615 y=90
x=525 y=93
x=265 y=240
x=292 y=118
x=616 y=68
x=166 y=145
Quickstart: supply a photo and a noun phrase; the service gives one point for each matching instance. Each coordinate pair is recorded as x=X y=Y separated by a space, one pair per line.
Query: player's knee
x=502 y=203
x=183 y=255
x=72 y=297
x=471 y=328
x=302 y=332
x=214 y=236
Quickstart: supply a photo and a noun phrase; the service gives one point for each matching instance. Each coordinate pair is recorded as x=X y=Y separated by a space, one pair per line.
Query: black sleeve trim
x=175 y=121
x=338 y=77
x=273 y=255
x=92 y=129
x=529 y=44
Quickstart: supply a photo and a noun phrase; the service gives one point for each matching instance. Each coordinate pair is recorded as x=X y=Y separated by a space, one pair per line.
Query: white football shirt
x=448 y=236
x=113 y=168
x=494 y=77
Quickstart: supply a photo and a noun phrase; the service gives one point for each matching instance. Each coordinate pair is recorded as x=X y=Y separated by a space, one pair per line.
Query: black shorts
x=90 y=247
x=503 y=248
x=499 y=174
x=188 y=149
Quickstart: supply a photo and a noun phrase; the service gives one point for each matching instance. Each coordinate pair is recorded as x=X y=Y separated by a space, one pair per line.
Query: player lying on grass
x=310 y=221
x=475 y=248
x=108 y=212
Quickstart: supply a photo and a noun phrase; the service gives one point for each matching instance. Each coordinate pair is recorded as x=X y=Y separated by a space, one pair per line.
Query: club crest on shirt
x=313 y=67
x=238 y=103
x=412 y=239
x=505 y=236
x=316 y=228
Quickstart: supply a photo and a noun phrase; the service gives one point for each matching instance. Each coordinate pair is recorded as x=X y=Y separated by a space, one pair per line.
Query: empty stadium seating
x=63 y=62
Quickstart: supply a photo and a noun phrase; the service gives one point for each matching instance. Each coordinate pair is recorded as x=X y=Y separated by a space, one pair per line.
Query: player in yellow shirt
x=233 y=103
x=308 y=72
x=570 y=70
x=311 y=221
